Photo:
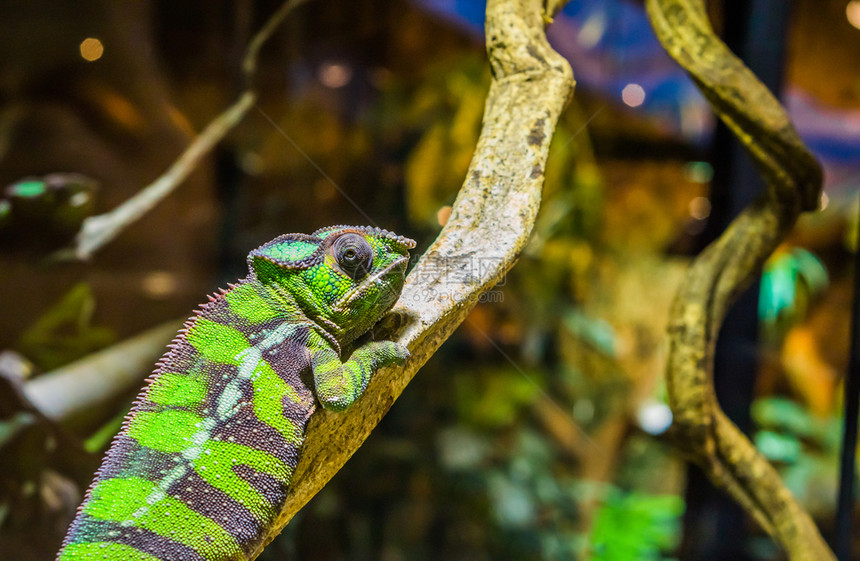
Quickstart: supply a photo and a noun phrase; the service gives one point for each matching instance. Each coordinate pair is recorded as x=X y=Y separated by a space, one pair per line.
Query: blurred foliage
x=448 y=109
x=791 y=277
x=804 y=447
x=793 y=280
x=100 y=439
x=807 y=372
x=635 y=526
x=493 y=401
x=66 y=331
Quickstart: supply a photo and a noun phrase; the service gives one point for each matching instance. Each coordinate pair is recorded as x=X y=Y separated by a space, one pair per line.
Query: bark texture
x=719 y=274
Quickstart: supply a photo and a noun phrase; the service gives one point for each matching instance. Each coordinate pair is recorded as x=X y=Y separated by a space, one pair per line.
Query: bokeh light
x=654 y=417
x=699 y=172
x=159 y=284
x=700 y=208
x=633 y=95
x=334 y=74
x=852 y=12
x=92 y=49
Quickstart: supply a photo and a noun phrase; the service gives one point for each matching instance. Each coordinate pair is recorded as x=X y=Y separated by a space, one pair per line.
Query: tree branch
x=718 y=275
x=491 y=221
x=84 y=384
x=97 y=231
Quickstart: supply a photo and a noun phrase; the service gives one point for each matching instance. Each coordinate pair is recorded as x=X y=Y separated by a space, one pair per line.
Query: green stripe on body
x=246 y=302
x=217 y=342
x=181 y=431
x=119 y=500
x=225 y=344
x=167 y=431
x=269 y=389
x=215 y=465
x=182 y=390
x=186 y=433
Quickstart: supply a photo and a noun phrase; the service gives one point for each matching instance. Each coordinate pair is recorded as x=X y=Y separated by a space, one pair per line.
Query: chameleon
x=202 y=464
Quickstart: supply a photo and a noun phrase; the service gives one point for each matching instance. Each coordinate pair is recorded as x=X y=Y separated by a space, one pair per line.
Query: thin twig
x=97 y=231
x=249 y=63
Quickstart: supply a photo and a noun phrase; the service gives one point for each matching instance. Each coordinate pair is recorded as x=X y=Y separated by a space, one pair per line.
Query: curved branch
x=96 y=231
x=491 y=221
x=726 y=267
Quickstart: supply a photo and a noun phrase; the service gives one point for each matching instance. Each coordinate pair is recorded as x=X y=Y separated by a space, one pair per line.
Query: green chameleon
x=201 y=467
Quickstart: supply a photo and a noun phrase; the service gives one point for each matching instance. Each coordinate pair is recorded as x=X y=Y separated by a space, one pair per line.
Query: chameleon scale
x=201 y=467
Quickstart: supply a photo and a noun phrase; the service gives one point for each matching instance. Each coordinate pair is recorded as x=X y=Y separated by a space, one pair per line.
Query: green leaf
x=786 y=416
x=65 y=332
x=812 y=270
x=636 y=526
x=780 y=286
x=778 y=447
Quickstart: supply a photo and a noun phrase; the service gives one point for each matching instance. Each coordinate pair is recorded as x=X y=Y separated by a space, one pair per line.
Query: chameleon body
x=200 y=469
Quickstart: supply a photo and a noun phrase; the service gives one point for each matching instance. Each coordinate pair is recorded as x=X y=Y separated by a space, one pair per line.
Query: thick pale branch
x=718 y=275
x=491 y=221
x=84 y=384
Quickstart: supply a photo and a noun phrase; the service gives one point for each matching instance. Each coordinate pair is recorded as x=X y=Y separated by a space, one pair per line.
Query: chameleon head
x=344 y=278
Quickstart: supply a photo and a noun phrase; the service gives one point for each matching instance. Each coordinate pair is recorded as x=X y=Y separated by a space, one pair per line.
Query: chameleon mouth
x=374 y=279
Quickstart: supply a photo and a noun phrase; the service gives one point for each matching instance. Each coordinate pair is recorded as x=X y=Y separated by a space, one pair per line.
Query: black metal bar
x=845 y=505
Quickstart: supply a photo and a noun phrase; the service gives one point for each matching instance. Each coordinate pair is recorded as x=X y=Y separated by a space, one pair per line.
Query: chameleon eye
x=354 y=255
